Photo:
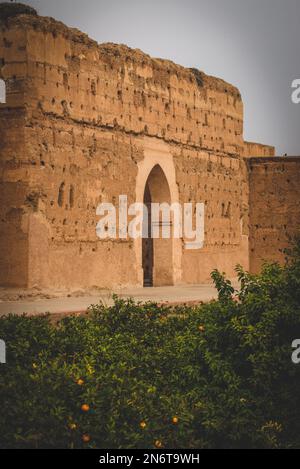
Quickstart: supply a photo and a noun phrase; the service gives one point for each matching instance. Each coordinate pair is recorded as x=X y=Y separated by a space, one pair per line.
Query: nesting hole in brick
x=93 y=88
x=71 y=196
x=61 y=194
x=226 y=210
x=65 y=79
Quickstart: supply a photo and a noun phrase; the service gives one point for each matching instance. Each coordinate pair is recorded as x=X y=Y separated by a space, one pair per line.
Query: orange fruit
x=143 y=425
x=86 y=438
x=80 y=382
x=72 y=426
x=158 y=444
x=85 y=408
x=175 y=420
x=201 y=328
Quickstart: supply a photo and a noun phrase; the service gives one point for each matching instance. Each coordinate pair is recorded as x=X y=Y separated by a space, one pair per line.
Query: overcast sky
x=253 y=44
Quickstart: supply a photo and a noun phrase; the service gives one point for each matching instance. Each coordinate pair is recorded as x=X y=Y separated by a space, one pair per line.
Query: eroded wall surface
x=82 y=125
x=221 y=184
x=274 y=208
x=14 y=198
x=14 y=163
x=257 y=150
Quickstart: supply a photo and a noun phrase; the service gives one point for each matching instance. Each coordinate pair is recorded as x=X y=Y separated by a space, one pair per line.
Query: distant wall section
x=274 y=201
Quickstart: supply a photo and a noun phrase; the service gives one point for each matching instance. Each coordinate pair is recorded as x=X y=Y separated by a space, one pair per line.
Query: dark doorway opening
x=157 y=253
x=148 y=256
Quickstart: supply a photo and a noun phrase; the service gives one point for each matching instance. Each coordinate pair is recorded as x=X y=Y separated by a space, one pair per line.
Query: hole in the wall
x=71 y=197
x=61 y=194
x=226 y=211
x=65 y=108
x=223 y=210
x=2 y=92
x=93 y=88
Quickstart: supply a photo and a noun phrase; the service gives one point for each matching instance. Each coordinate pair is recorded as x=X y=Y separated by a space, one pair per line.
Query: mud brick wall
x=14 y=191
x=83 y=123
x=222 y=184
x=274 y=208
x=114 y=86
x=14 y=185
x=81 y=168
x=256 y=149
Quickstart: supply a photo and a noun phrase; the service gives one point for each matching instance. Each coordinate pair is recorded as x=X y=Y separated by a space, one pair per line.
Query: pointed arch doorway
x=157 y=254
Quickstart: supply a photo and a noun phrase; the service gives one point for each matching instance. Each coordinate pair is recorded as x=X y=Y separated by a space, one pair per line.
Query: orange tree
x=218 y=375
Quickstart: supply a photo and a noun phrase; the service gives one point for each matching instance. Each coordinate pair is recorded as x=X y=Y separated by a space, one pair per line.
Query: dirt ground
x=36 y=302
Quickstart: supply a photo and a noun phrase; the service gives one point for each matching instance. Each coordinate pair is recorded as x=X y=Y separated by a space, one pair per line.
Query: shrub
x=218 y=375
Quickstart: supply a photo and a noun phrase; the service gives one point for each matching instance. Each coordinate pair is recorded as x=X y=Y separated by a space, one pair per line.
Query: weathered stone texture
x=220 y=183
x=274 y=208
x=14 y=190
x=114 y=86
x=256 y=149
x=85 y=123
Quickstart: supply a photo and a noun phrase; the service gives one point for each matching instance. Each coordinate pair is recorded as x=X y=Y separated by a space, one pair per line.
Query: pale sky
x=253 y=44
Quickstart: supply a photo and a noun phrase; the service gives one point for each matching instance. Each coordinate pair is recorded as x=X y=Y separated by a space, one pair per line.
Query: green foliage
x=223 y=369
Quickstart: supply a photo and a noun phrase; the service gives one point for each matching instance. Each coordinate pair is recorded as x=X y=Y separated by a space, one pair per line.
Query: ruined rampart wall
x=14 y=163
x=252 y=149
x=114 y=86
x=274 y=208
x=80 y=123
